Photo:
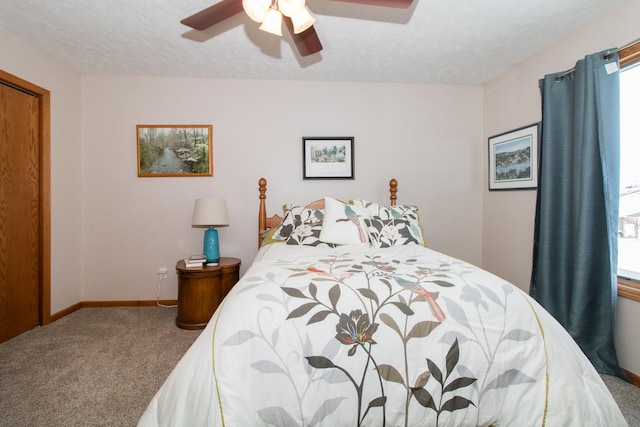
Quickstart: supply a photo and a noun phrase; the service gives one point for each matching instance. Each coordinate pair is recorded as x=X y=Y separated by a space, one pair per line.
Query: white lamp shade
x=302 y=20
x=272 y=22
x=210 y=212
x=256 y=9
x=290 y=7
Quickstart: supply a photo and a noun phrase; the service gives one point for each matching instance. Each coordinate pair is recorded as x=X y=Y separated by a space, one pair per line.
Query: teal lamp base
x=211 y=245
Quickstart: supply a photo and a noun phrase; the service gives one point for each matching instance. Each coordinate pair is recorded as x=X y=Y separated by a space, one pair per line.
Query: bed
x=346 y=318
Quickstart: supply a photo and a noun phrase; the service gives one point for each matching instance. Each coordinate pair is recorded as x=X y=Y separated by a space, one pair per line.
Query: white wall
x=23 y=60
x=428 y=137
x=513 y=100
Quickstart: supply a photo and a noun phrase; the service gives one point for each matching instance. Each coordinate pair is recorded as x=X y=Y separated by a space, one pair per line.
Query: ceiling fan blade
x=307 y=41
x=213 y=14
x=400 y=4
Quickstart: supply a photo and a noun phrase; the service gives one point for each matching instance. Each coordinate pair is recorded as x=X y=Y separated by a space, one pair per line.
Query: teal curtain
x=575 y=237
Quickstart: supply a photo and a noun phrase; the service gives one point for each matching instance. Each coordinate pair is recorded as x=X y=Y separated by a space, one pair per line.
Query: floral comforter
x=401 y=336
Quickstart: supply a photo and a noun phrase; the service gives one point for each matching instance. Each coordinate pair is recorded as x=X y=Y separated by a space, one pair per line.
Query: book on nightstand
x=193 y=264
x=195 y=261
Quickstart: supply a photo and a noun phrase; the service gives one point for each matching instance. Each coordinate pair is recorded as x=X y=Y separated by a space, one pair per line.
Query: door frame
x=44 y=141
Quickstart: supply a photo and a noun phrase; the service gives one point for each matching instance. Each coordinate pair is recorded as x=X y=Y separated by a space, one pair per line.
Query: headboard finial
x=393 y=189
x=262 y=186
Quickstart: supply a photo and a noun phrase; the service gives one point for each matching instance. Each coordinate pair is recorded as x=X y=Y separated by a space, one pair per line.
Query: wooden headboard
x=265 y=223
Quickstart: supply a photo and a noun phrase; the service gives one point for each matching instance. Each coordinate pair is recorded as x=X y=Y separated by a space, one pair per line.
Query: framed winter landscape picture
x=174 y=150
x=513 y=159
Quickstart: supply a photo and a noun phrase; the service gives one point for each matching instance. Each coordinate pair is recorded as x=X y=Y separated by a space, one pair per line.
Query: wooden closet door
x=19 y=212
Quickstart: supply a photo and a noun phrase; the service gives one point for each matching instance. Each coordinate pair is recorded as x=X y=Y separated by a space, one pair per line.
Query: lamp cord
x=160 y=279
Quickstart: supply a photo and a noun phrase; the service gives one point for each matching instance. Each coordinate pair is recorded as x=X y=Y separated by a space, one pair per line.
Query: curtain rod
x=628 y=45
x=566 y=73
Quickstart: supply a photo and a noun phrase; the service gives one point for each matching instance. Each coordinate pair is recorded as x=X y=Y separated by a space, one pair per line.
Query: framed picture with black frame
x=327 y=157
x=513 y=159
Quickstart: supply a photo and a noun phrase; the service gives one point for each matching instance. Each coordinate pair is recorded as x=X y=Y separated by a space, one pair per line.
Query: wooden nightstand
x=200 y=291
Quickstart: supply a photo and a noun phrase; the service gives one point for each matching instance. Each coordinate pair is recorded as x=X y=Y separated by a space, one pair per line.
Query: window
x=629 y=223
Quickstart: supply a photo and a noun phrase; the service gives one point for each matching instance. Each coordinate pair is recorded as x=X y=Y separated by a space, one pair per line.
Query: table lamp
x=210 y=212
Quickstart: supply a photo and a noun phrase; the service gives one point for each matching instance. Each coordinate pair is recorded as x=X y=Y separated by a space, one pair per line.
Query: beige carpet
x=628 y=398
x=94 y=367
x=102 y=366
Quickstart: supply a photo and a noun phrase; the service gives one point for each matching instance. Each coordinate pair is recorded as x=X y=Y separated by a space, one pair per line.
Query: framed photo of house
x=513 y=159
x=174 y=150
x=327 y=157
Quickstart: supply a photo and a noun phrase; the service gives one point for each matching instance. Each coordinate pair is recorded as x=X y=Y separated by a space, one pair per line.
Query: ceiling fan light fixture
x=302 y=21
x=291 y=7
x=256 y=9
x=272 y=22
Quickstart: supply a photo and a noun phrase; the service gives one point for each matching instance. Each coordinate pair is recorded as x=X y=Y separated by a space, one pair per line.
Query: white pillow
x=343 y=224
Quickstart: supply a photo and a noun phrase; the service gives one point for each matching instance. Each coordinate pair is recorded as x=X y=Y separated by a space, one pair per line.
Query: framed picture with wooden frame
x=513 y=159
x=327 y=157
x=174 y=150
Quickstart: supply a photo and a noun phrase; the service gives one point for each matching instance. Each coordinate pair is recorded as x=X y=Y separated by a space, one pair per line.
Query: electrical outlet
x=162 y=272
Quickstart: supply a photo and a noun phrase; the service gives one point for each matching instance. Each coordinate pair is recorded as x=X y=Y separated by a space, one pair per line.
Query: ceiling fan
x=271 y=13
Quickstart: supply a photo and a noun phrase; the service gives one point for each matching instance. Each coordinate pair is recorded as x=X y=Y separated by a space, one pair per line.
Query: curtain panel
x=575 y=236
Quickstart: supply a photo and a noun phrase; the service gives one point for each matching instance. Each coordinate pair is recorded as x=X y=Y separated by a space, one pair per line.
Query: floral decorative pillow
x=292 y=215
x=302 y=226
x=343 y=224
x=385 y=233
x=399 y=212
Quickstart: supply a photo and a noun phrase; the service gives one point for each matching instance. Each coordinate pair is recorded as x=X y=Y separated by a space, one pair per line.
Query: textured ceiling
x=434 y=41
